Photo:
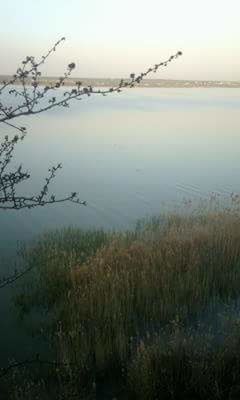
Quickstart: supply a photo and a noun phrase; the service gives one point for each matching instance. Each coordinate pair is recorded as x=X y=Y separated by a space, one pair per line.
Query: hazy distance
x=112 y=39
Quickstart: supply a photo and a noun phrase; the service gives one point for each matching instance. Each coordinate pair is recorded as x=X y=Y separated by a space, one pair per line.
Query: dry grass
x=125 y=311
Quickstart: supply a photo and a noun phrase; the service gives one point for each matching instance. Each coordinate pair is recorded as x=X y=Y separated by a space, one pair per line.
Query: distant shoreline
x=147 y=83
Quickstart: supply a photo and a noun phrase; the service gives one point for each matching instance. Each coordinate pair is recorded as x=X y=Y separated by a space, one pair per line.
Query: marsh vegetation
x=151 y=313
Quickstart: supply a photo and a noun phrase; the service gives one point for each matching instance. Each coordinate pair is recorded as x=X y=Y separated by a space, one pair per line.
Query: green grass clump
x=126 y=307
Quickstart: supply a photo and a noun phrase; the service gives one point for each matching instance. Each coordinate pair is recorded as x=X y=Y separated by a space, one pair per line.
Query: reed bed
x=139 y=315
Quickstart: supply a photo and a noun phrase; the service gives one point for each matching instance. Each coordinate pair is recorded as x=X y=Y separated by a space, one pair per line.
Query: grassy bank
x=149 y=314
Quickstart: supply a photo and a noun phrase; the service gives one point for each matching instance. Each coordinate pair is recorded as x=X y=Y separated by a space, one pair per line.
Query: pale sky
x=108 y=38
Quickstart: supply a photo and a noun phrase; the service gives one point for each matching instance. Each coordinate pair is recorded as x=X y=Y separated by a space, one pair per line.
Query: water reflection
x=128 y=155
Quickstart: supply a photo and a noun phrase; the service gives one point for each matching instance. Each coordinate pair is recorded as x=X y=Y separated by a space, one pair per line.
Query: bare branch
x=30 y=61
x=33 y=98
x=36 y=100
x=33 y=102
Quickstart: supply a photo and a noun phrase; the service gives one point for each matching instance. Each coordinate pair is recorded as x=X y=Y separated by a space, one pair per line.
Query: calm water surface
x=128 y=155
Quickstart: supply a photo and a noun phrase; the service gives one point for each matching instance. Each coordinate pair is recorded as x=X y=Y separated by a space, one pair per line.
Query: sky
x=109 y=38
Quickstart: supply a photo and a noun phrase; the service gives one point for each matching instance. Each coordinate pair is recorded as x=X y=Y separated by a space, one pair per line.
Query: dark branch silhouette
x=10 y=179
x=17 y=274
x=33 y=98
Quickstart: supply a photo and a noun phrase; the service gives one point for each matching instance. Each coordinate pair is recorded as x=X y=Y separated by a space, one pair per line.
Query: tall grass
x=51 y=259
x=126 y=307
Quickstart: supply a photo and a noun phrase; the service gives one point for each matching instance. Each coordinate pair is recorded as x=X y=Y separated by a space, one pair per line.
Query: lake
x=128 y=155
